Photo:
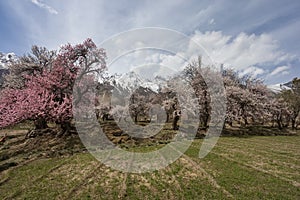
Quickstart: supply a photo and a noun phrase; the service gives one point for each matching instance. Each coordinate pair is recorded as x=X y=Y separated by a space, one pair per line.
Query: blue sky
x=259 y=37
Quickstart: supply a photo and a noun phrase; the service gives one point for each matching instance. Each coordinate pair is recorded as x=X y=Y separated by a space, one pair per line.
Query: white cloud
x=234 y=46
x=242 y=51
x=176 y=62
x=252 y=54
x=44 y=6
x=212 y=21
x=253 y=71
x=283 y=70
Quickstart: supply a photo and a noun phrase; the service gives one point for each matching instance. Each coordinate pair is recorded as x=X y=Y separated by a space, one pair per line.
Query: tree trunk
x=279 y=124
x=246 y=121
x=175 y=120
x=66 y=128
x=293 y=124
x=135 y=118
x=206 y=120
x=207 y=111
x=278 y=120
x=168 y=118
x=40 y=123
x=244 y=116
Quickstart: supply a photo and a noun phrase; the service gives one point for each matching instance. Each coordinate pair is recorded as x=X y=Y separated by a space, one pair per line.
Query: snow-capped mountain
x=280 y=86
x=5 y=59
x=132 y=80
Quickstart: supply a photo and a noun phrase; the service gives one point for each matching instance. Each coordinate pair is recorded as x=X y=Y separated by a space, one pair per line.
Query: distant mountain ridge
x=132 y=80
x=280 y=86
x=4 y=60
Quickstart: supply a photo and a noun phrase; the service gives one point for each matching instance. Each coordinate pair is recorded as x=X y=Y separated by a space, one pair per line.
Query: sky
x=259 y=38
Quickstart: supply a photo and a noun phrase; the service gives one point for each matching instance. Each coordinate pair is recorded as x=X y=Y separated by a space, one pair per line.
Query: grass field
x=237 y=168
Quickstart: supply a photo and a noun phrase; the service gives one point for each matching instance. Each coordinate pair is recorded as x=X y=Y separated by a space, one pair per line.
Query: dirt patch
x=18 y=149
x=118 y=136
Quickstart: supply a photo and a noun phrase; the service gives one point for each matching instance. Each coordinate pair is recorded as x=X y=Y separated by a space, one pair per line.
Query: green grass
x=237 y=168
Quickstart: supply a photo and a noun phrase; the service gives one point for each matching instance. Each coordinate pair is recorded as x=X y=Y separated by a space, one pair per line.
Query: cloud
x=249 y=54
x=251 y=34
x=280 y=70
x=44 y=6
x=212 y=21
x=253 y=71
x=241 y=51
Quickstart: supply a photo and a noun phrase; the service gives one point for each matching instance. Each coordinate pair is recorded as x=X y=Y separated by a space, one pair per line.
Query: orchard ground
x=240 y=167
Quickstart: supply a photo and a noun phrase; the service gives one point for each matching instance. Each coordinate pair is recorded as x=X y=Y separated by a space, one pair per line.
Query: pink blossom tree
x=46 y=95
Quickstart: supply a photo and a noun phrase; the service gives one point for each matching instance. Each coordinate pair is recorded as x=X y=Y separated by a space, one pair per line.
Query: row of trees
x=248 y=100
x=39 y=87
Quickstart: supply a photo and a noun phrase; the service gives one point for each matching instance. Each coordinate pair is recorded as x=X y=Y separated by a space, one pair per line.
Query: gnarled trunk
x=40 y=123
x=66 y=128
x=174 y=124
x=135 y=118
